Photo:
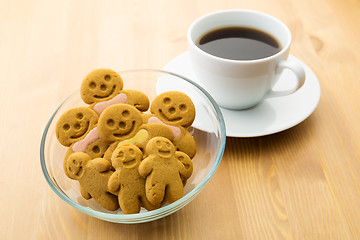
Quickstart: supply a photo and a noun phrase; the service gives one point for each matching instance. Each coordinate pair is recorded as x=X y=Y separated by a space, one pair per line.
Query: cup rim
x=213 y=57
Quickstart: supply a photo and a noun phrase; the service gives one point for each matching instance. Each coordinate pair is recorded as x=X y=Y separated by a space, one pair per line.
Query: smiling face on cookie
x=174 y=108
x=74 y=124
x=126 y=156
x=74 y=165
x=161 y=147
x=100 y=85
x=119 y=122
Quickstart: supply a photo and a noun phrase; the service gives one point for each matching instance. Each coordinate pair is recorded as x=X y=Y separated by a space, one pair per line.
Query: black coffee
x=239 y=43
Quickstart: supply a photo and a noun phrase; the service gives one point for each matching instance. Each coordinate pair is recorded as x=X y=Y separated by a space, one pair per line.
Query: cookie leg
x=174 y=191
x=155 y=192
x=108 y=201
x=147 y=205
x=129 y=203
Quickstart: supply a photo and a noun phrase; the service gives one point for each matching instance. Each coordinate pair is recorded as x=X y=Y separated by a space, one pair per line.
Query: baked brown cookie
x=176 y=109
x=74 y=124
x=126 y=181
x=163 y=172
x=119 y=122
x=93 y=176
x=137 y=99
x=132 y=97
x=100 y=85
x=185 y=160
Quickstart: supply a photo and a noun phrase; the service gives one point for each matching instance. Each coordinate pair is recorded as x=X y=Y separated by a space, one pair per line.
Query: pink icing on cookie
x=175 y=130
x=91 y=137
x=101 y=106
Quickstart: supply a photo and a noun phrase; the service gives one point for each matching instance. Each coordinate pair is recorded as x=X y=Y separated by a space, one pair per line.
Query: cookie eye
x=75 y=162
x=107 y=77
x=125 y=113
x=103 y=87
x=96 y=149
x=77 y=126
x=120 y=154
x=167 y=100
x=172 y=110
x=66 y=126
x=182 y=107
x=181 y=158
x=158 y=143
x=122 y=124
x=132 y=152
x=110 y=122
x=79 y=116
x=92 y=85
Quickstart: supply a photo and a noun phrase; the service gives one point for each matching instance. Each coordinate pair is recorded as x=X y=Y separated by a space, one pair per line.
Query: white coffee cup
x=241 y=84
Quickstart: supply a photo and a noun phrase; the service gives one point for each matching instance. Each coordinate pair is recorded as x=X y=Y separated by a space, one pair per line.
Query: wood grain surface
x=303 y=183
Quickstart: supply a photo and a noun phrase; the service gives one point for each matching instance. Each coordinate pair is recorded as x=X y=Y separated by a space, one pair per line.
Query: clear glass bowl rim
x=144 y=216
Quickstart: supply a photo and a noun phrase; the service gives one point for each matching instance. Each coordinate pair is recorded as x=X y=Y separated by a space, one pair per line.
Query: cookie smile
x=109 y=94
x=169 y=119
x=82 y=132
x=129 y=163
x=164 y=154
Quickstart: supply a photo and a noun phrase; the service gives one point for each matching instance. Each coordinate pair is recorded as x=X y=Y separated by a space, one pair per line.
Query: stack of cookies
x=121 y=154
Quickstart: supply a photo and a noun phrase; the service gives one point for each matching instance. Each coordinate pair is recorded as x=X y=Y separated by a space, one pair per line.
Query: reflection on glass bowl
x=208 y=132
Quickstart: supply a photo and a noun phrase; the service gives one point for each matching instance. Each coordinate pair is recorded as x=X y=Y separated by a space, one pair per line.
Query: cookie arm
x=114 y=183
x=146 y=166
x=185 y=166
x=100 y=164
x=137 y=99
x=186 y=143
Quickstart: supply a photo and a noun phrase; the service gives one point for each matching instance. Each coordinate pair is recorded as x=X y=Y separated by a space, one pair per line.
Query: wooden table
x=303 y=183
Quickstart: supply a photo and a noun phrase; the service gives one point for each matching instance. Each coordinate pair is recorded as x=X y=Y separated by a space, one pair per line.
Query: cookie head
x=127 y=156
x=100 y=85
x=161 y=147
x=119 y=122
x=75 y=163
x=174 y=108
x=74 y=124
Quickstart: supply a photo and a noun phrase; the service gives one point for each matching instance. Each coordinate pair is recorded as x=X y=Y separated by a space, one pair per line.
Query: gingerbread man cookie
x=100 y=85
x=163 y=172
x=119 y=122
x=126 y=181
x=103 y=87
x=176 y=109
x=93 y=176
x=75 y=124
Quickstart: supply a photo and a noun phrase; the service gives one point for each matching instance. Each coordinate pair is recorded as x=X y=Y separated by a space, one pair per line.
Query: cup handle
x=299 y=74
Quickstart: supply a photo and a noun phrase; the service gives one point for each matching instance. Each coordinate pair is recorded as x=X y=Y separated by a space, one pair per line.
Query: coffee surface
x=239 y=43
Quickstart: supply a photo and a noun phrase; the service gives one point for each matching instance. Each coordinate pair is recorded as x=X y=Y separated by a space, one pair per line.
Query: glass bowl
x=208 y=131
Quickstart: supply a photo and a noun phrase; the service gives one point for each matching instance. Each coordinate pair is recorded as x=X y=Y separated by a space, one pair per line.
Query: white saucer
x=273 y=114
